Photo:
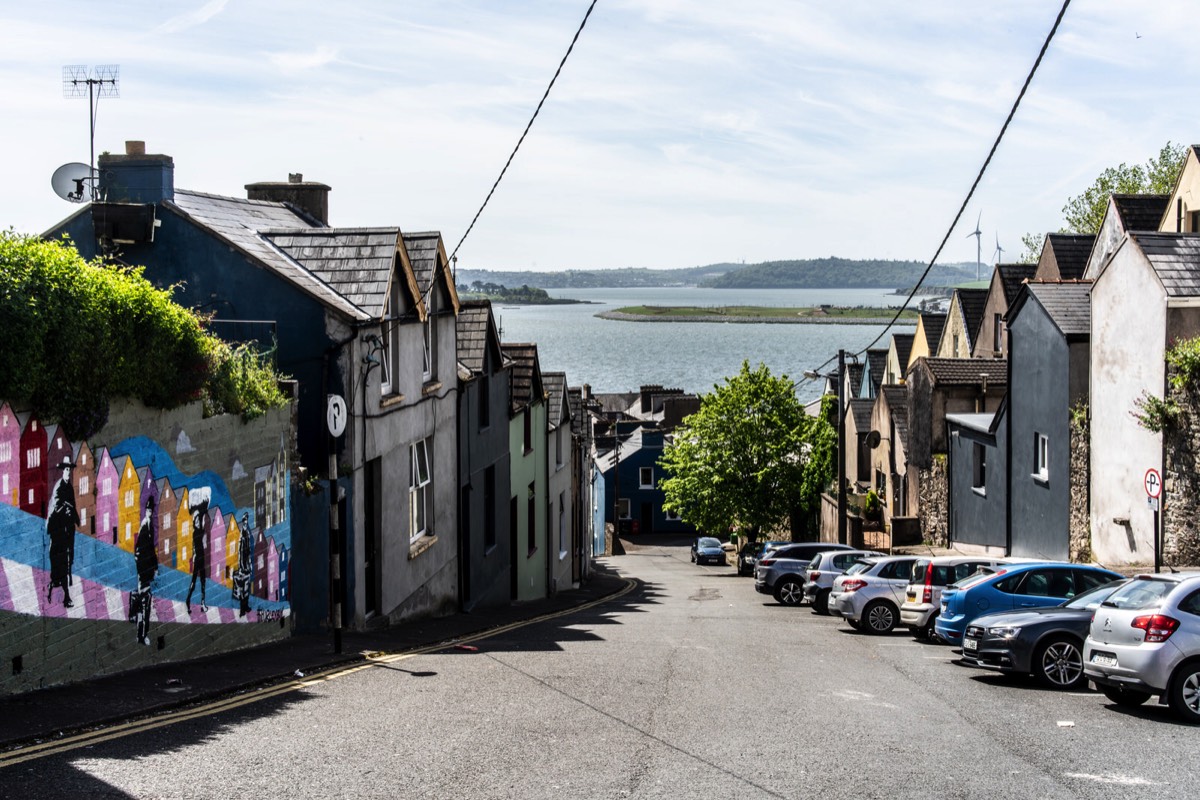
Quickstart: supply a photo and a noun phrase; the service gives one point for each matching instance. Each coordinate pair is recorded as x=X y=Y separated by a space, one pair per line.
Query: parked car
x=1013 y=588
x=818 y=580
x=708 y=550
x=1145 y=640
x=869 y=594
x=923 y=596
x=748 y=557
x=1047 y=642
x=782 y=572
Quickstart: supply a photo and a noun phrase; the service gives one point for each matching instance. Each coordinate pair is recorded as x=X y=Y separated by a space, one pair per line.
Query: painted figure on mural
x=243 y=576
x=140 y=600
x=198 y=500
x=60 y=527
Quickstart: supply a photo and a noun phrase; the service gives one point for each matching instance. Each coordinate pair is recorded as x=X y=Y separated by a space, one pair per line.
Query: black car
x=748 y=557
x=1047 y=642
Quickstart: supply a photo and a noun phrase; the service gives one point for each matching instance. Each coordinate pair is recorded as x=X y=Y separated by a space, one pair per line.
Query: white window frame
x=562 y=525
x=428 y=331
x=420 y=492
x=642 y=483
x=386 y=332
x=1041 y=456
x=671 y=516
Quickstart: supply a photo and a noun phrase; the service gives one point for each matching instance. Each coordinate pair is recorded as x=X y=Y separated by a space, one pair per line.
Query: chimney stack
x=308 y=196
x=136 y=177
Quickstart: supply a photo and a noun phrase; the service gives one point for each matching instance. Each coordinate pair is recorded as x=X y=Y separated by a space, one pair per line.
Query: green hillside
x=830 y=273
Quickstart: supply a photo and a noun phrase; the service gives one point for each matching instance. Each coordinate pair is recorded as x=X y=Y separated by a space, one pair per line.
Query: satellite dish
x=873 y=439
x=74 y=182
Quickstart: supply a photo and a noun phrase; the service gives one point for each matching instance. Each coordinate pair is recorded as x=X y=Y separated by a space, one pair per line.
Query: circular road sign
x=335 y=415
x=1153 y=483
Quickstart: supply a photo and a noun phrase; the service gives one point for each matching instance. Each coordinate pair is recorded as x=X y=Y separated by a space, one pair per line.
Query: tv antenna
x=79 y=81
x=978 y=234
x=999 y=254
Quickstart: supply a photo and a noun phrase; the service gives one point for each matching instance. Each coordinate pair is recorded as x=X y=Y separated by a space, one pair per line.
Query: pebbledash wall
x=94 y=579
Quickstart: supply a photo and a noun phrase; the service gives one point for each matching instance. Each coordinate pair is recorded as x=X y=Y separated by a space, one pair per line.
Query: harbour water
x=616 y=356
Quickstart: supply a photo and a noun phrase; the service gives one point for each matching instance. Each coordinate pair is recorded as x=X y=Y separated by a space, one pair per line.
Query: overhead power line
x=966 y=200
x=526 y=131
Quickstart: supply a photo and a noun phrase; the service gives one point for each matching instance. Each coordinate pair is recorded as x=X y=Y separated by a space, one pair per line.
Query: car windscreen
x=857 y=567
x=1093 y=597
x=710 y=542
x=972 y=579
x=1140 y=593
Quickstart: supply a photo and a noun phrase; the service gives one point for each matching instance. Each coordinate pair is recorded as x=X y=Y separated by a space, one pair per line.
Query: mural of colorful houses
x=113 y=489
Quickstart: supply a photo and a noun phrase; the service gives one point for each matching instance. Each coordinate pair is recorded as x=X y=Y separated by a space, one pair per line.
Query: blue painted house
x=631 y=475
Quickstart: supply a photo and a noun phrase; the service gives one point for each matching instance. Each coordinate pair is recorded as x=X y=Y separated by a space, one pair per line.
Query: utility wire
x=995 y=145
x=526 y=131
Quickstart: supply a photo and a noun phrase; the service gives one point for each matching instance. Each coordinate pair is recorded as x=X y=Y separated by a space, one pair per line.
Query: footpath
x=53 y=712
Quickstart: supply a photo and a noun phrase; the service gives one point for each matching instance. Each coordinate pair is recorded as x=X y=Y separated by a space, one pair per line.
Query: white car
x=1145 y=640
x=870 y=593
x=923 y=596
x=824 y=568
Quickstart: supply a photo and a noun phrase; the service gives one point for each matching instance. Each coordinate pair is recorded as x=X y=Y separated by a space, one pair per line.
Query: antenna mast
x=103 y=80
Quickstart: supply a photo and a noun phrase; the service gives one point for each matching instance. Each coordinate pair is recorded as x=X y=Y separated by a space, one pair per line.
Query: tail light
x=1158 y=627
x=853 y=585
x=766 y=562
x=927 y=595
x=813 y=576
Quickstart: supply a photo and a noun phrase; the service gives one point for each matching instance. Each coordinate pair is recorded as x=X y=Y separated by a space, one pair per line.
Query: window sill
x=387 y=401
x=420 y=545
x=978 y=491
x=532 y=552
x=431 y=387
x=562 y=554
x=1042 y=478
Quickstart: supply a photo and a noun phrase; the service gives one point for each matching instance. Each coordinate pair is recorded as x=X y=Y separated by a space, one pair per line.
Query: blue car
x=1014 y=588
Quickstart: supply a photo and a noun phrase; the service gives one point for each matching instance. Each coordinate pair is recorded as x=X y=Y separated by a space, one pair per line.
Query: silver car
x=919 y=609
x=869 y=594
x=1145 y=640
x=823 y=569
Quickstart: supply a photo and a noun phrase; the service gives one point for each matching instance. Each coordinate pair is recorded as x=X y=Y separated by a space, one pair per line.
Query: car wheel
x=1058 y=663
x=789 y=592
x=879 y=617
x=693 y=558
x=1183 y=692
x=821 y=602
x=1126 y=698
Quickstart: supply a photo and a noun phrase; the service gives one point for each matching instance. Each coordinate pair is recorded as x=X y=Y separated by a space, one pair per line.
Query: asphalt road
x=691 y=686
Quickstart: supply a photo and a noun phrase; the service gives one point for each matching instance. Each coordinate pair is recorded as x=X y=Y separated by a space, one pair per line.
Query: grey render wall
x=487 y=570
x=976 y=518
x=1039 y=404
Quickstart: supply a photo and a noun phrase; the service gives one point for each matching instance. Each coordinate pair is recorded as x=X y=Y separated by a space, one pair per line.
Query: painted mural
x=120 y=533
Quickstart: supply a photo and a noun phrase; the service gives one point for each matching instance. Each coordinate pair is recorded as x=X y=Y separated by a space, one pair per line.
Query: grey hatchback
x=781 y=573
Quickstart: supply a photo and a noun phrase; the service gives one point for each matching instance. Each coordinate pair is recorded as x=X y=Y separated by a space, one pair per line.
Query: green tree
x=1084 y=213
x=743 y=459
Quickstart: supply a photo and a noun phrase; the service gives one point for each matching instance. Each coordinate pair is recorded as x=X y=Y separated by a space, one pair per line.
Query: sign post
x=1153 y=485
x=335 y=418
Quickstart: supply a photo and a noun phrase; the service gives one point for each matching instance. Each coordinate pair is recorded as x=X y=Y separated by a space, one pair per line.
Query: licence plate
x=1104 y=660
x=970 y=644
x=911 y=597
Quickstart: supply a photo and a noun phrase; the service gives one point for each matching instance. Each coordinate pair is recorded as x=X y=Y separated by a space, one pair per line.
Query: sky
x=680 y=132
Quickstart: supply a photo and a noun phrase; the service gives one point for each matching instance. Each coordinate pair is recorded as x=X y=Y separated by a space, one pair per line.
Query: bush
x=78 y=333
x=242 y=382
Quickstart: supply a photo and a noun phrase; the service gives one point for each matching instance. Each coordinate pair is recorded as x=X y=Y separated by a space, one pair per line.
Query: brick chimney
x=136 y=177
x=310 y=197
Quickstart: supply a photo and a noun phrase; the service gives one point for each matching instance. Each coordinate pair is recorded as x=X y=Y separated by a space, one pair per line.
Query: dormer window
x=428 y=330
x=387 y=348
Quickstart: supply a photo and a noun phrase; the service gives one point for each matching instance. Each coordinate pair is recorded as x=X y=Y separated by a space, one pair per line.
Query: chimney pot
x=135 y=148
x=295 y=177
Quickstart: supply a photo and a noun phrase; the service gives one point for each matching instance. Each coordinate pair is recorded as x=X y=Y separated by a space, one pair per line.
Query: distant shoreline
x=622 y=316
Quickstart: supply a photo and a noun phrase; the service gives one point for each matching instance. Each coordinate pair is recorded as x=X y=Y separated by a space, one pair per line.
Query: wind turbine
x=978 y=234
x=999 y=254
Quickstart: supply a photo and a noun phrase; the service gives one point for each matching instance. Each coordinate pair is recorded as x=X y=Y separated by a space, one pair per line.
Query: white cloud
x=298 y=62
x=182 y=22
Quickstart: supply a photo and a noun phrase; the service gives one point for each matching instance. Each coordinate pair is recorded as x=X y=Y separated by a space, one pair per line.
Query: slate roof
x=904 y=343
x=1069 y=305
x=860 y=408
x=575 y=401
x=967 y=371
x=1141 y=212
x=877 y=364
x=1011 y=278
x=357 y=263
x=854 y=374
x=526 y=374
x=474 y=323
x=1071 y=252
x=556 y=391
x=1176 y=259
x=897 y=400
x=972 y=303
x=237 y=222
x=933 y=325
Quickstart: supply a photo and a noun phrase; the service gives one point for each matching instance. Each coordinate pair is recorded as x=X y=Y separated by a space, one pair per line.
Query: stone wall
x=1080 y=519
x=1181 y=480
x=933 y=509
x=165 y=537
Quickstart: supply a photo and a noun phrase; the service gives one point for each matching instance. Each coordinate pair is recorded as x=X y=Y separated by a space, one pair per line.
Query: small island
x=518 y=296
x=836 y=315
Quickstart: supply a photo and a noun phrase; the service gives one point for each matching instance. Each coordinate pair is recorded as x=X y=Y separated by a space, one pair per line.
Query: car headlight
x=1006 y=631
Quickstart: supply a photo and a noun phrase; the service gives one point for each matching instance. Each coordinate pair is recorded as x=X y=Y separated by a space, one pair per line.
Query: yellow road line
x=121 y=730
